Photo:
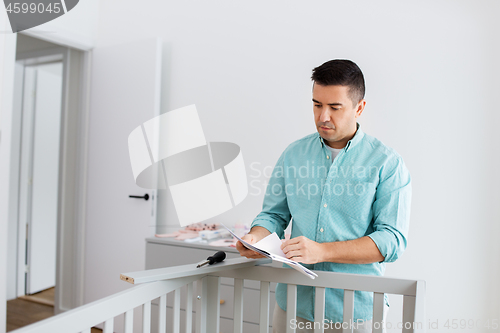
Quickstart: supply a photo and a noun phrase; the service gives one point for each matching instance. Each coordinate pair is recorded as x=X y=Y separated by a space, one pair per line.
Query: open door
x=124 y=93
x=43 y=96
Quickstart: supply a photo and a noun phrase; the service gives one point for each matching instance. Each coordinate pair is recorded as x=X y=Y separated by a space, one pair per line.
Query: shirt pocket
x=357 y=200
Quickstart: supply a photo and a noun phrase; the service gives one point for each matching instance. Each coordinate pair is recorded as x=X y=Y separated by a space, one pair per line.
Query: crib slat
x=177 y=311
x=291 y=306
x=348 y=311
x=408 y=313
x=146 y=317
x=129 y=321
x=419 y=317
x=189 y=308
x=201 y=305
x=108 y=326
x=319 y=309
x=238 y=306
x=265 y=288
x=162 y=314
x=378 y=312
x=213 y=303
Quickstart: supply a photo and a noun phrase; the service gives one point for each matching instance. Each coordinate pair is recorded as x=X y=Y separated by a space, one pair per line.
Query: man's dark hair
x=341 y=72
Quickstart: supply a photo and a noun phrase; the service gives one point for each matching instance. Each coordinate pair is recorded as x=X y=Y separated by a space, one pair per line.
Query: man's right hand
x=255 y=235
x=252 y=239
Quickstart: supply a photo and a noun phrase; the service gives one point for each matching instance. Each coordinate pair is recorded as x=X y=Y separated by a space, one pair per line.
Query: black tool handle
x=218 y=257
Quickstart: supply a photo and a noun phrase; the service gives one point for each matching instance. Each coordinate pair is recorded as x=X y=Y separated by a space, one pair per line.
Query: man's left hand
x=304 y=250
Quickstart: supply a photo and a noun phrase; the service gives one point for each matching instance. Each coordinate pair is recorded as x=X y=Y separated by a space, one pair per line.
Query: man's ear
x=359 y=108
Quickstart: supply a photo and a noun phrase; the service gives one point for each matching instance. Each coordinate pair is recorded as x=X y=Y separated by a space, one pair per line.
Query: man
x=348 y=193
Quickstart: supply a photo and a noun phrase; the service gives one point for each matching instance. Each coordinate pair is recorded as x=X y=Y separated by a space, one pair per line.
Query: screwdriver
x=217 y=257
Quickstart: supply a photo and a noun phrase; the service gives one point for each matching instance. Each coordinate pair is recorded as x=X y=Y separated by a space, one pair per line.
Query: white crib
x=157 y=283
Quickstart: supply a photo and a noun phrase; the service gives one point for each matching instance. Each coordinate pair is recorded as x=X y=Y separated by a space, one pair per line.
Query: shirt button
x=321 y=230
x=325 y=205
x=327 y=157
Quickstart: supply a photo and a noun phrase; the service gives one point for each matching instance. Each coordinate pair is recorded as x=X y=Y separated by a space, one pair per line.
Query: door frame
x=7 y=68
x=72 y=180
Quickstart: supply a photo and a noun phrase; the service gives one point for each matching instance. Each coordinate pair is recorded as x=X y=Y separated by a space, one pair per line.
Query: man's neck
x=342 y=143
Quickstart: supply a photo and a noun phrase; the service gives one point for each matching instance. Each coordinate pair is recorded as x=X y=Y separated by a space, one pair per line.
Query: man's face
x=335 y=115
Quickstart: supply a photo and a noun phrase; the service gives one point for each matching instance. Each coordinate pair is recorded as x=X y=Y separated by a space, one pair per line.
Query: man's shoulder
x=381 y=147
x=383 y=155
x=304 y=142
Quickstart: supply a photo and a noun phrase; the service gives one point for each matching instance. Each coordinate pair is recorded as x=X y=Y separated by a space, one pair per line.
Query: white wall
x=77 y=28
x=431 y=73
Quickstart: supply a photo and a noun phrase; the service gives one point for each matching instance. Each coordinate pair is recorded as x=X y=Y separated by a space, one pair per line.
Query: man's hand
x=252 y=239
x=255 y=235
x=304 y=250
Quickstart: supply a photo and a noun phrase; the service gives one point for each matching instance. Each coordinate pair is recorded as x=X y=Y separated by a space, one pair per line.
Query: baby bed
x=204 y=284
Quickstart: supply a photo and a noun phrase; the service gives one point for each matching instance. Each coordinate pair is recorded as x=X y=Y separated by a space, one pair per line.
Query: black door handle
x=145 y=196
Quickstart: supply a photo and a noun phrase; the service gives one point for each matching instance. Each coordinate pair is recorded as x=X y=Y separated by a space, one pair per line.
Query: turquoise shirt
x=366 y=191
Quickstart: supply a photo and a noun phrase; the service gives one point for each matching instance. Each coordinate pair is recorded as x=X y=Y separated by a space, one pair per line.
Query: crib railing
x=157 y=283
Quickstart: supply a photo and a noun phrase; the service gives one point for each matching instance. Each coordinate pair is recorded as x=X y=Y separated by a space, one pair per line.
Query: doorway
x=49 y=134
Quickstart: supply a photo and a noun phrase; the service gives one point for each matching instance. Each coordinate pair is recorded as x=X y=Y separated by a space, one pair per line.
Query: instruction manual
x=270 y=247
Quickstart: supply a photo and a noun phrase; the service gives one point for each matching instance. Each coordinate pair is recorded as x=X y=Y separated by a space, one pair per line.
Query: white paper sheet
x=270 y=248
x=271 y=244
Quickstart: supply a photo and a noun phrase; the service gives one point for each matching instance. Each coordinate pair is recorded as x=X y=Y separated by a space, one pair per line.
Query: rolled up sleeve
x=391 y=211
x=275 y=215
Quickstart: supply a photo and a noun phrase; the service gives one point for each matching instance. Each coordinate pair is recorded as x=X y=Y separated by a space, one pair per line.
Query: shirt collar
x=358 y=136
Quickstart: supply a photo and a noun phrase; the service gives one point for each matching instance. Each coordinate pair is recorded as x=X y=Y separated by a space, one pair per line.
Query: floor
x=44 y=297
x=27 y=310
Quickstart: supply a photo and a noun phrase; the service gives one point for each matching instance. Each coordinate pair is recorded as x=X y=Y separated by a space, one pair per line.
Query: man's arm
x=275 y=214
x=357 y=251
x=391 y=211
